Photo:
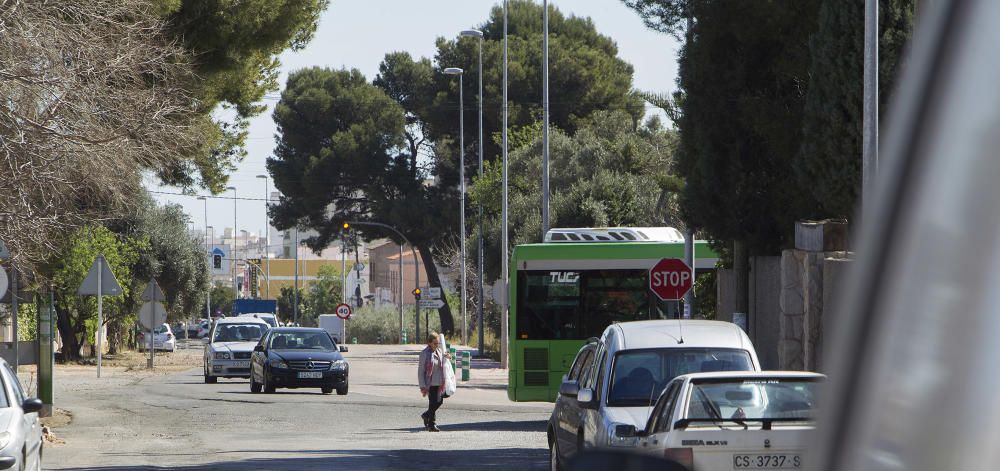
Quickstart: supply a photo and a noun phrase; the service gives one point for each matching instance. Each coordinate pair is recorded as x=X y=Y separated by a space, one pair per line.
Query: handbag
x=449 y=378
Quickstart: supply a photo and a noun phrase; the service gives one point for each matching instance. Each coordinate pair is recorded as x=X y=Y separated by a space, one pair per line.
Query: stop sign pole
x=670 y=279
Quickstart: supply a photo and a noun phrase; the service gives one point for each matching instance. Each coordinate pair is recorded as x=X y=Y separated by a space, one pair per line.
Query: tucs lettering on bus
x=671 y=278
x=563 y=277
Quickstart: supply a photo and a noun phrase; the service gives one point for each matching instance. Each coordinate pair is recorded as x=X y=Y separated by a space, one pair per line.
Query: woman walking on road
x=430 y=373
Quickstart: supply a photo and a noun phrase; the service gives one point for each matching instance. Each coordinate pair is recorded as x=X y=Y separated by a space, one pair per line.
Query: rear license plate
x=157 y=344
x=310 y=374
x=752 y=462
x=242 y=364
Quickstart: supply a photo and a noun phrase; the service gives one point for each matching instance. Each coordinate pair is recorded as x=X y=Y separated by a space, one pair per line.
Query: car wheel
x=208 y=378
x=342 y=391
x=327 y=390
x=255 y=387
x=554 y=464
x=268 y=385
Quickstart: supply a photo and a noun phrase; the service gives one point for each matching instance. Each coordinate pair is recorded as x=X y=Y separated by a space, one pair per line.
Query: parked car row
x=689 y=391
x=273 y=357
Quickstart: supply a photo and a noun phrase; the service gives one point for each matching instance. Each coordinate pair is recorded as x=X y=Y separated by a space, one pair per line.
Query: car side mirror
x=585 y=397
x=31 y=405
x=569 y=388
x=628 y=431
x=205 y=340
x=258 y=348
x=343 y=349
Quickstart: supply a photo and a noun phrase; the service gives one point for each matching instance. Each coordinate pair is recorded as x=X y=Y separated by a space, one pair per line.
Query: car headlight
x=4 y=439
x=338 y=365
x=615 y=440
x=278 y=364
x=221 y=355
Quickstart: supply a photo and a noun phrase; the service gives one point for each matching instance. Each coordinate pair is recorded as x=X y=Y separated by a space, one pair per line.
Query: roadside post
x=153 y=311
x=46 y=354
x=454 y=359
x=466 y=365
x=100 y=281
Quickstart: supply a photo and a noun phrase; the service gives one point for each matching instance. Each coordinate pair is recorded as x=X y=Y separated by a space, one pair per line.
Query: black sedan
x=298 y=357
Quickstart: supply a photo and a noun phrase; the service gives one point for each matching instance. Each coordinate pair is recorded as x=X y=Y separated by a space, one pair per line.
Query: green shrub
x=380 y=324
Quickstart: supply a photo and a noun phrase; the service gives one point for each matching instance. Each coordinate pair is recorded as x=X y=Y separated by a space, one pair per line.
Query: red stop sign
x=670 y=279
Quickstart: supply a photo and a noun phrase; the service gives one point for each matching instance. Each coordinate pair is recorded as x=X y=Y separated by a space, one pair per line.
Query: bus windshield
x=575 y=305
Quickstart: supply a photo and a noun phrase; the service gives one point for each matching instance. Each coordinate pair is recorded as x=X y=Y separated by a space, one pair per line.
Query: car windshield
x=640 y=375
x=302 y=340
x=238 y=332
x=750 y=399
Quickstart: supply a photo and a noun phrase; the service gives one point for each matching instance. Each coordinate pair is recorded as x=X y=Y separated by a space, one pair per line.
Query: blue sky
x=358 y=33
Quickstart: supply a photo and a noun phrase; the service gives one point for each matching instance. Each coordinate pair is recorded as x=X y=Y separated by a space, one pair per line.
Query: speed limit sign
x=343 y=311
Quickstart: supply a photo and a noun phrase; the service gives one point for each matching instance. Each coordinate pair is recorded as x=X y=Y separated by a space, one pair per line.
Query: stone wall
x=808 y=282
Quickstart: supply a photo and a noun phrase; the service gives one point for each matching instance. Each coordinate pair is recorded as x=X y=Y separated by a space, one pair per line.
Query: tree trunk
x=434 y=279
x=70 y=342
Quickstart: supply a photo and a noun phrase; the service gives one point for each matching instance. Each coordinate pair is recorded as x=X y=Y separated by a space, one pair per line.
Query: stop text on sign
x=670 y=279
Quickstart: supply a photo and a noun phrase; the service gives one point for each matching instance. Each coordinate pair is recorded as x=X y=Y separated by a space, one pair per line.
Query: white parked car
x=20 y=431
x=163 y=339
x=229 y=345
x=615 y=379
x=727 y=420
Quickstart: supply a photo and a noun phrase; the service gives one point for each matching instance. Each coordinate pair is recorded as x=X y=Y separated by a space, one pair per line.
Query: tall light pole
x=236 y=293
x=267 y=239
x=504 y=328
x=479 y=34
x=545 y=118
x=461 y=177
x=208 y=262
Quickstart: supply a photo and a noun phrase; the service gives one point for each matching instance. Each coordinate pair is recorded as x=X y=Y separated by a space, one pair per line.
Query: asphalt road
x=170 y=419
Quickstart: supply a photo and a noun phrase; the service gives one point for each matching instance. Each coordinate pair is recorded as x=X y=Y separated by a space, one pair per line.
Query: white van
x=616 y=379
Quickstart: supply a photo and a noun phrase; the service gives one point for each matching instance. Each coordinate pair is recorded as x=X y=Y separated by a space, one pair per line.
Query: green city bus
x=575 y=284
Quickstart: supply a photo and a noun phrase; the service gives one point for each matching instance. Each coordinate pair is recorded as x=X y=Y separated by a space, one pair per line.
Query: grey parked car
x=20 y=431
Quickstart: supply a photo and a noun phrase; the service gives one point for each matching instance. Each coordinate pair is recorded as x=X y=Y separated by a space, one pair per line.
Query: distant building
x=384 y=274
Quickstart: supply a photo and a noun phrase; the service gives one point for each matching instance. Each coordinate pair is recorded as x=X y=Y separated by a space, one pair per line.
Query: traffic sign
x=4 y=282
x=152 y=314
x=359 y=267
x=670 y=279
x=108 y=283
x=432 y=292
x=431 y=304
x=343 y=311
x=153 y=292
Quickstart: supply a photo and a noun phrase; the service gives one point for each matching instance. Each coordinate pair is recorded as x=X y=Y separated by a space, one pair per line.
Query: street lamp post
x=461 y=176
x=479 y=34
x=295 y=288
x=504 y=328
x=267 y=239
x=208 y=252
x=545 y=118
x=236 y=294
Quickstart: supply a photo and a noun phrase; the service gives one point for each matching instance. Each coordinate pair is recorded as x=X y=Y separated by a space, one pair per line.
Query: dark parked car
x=298 y=357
